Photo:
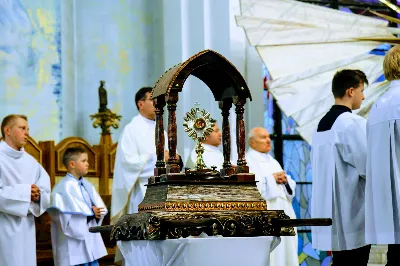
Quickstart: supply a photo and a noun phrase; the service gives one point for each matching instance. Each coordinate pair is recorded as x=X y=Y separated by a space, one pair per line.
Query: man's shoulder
x=131 y=126
x=348 y=119
x=352 y=116
x=27 y=159
x=135 y=121
x=252 y=155
x=249 y=153
x=30 y=158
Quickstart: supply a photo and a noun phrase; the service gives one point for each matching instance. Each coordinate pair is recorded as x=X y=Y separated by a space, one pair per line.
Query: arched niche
x=70 y=142
x=220 y=75
x=227 y=86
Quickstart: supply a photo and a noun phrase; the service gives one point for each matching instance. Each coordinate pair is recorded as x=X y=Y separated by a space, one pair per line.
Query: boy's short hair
x=391 y=63
x=8 y=120
x=141 y=95
x=346 y=79
x=70 y=154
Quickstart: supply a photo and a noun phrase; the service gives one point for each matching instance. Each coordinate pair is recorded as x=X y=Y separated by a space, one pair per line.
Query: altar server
x=339 y=156
x=24 y=193
x=276 y=187
x=75 y=207
x=383 y=172
x=212 y=156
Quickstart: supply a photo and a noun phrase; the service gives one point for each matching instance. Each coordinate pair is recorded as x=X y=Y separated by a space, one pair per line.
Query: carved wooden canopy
x=223 y=79
x=228 y=87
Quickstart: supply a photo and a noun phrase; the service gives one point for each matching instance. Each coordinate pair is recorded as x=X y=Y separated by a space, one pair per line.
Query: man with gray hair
x=276 y=187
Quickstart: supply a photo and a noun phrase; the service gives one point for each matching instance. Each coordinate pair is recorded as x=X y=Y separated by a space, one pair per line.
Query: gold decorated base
x=187 y=204
x=173 y=225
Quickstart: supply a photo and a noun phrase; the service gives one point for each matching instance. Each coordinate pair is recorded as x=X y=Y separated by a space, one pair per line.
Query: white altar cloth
x=210 y=251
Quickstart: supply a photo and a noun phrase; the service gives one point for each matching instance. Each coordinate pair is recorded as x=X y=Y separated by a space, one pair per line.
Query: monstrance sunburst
x=199 y=125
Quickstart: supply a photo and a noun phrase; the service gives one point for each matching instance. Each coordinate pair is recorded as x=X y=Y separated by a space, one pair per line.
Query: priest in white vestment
x=212 y=156
x=338 y=157
x=24 y=194
x=75 y=207
x=382 y=208
x=135 y=159
x=276 y=187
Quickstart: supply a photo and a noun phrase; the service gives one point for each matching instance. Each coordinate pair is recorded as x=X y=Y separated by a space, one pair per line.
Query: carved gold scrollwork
x=151 y=227
x=230 y=227
x=105 y=120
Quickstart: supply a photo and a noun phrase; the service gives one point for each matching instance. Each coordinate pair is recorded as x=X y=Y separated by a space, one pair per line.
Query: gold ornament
x=199 y=125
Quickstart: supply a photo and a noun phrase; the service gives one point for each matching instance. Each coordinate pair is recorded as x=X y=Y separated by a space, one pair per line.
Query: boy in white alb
x=338 y=159
x=75 y=207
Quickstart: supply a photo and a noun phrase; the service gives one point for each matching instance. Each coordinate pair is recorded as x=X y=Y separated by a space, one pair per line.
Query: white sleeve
x=15 y=199
x=270 y=188
x=292 y=185
x=72 y=225
x=43 y=183
x=266 y=183
x=354 y=151
x=131 y=159
x=261 y=185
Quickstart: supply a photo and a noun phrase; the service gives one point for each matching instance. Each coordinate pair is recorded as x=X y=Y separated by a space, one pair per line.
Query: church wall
x=116 y=41
x=30 y=63
x=127 y=43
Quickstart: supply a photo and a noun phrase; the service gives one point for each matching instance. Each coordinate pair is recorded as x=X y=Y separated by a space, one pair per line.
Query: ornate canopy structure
x=228 y=87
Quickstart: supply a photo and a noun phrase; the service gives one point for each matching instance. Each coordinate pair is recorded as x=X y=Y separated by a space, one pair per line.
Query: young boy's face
x=81 y=165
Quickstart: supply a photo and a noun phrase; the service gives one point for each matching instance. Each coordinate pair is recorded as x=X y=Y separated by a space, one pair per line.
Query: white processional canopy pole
x=304 y=45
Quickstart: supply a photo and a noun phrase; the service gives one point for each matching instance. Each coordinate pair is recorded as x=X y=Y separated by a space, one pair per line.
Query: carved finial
x=105 y=118
x=103 y=101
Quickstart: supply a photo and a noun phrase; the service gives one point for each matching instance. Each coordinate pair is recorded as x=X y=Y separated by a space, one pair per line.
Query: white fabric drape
x=317 y=41
x=213 y=251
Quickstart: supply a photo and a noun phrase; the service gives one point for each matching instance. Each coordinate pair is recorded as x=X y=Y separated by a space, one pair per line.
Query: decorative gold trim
x=206 y=206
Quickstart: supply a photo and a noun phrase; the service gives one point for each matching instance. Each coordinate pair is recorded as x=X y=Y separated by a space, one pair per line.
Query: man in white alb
x=276 y=187
x=135 y=158
x=382 y=206
x=24 y=193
